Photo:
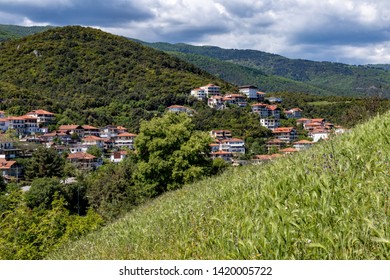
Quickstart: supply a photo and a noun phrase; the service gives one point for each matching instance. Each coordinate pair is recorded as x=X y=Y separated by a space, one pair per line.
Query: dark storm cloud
x=86 y=12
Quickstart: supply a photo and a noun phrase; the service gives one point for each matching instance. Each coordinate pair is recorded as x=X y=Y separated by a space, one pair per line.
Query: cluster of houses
x=73 y=140
x=285 y=139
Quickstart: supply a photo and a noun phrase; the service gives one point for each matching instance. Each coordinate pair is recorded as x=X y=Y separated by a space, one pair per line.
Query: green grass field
x=331 y=202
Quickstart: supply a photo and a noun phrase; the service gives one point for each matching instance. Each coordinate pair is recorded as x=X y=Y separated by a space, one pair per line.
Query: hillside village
x=114 y=142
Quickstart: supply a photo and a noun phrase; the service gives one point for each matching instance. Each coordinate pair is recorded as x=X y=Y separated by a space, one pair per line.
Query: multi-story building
x=221 y=134
x=125 y=140
x=249 y=91
x=43 y=117
x=286 y=134
x=199 y=93
x=211 y=90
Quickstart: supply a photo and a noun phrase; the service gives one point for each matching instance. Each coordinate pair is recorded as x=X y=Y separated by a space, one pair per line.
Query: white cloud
x=350 y=30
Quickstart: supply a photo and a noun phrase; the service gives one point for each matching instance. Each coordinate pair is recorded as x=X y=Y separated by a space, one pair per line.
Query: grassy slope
x=331 y=202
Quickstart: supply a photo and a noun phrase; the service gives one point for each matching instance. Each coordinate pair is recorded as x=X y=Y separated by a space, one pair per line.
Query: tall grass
x=331 y=202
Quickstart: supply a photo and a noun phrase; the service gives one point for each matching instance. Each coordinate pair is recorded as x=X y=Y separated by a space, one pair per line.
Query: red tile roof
x=303 y=142
x=6 y=164
x=81 y=155
x=126 y=134
x=40 y=112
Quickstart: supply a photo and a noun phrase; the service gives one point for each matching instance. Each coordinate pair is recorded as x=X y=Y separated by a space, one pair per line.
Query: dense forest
x=88 y=76
x=325 y=77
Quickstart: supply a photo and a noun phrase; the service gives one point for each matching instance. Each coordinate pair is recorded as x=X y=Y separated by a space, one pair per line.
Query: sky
x=346 y=31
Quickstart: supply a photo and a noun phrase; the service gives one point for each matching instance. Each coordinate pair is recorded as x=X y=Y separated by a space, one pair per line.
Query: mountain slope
x=80 y=69
x=331 y=202
x=341 y=79
x=9 y=32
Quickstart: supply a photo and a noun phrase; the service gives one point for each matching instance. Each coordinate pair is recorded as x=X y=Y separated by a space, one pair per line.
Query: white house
x=233 y=145
x=249 y=91
x=125 y=140
x=286 y=134
x=118 y=156
x=211 y=90
x=199 y=93
x=44 y=117
x=319 y=134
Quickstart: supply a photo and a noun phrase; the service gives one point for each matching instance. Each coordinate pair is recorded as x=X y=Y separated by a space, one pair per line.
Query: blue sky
x=355 y=32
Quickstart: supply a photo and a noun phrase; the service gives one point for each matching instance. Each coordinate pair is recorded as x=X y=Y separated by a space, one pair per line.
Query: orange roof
x=259 y=105
x=5 y=164
x=81 y=155
x=40 y=112
x=282 y=129
x=88 y=127
x=92 y=138
x=272 y=107
x=69 y=127
x=289 y=150
x=275 y=141
x=260 y=92
x=214 y=145
x=303 y=142
x=263 y=157
x=318 y=120
x=121 y=127
x=126 y=134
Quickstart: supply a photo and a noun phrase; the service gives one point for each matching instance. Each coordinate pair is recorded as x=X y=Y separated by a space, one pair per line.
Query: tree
x=45 y=162
x=111 y=191
x=171 y=152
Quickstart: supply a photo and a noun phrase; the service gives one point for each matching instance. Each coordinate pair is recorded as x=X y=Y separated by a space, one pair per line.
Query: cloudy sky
x=348 y=31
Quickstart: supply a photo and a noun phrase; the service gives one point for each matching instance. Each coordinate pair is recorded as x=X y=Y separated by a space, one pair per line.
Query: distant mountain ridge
x=10 y=32
x=328 y=77
x=269 y=72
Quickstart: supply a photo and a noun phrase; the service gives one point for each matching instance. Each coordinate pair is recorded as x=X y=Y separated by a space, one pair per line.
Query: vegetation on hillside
x=337 y=78
x=331 y=202
x=88 y=76
x=10 y=32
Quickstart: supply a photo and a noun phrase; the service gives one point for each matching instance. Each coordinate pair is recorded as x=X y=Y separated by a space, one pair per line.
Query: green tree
x=111 y=191
x=42 y=191
x=171 y=152
x=95 y=151
x=3 y=185
x=45 y=162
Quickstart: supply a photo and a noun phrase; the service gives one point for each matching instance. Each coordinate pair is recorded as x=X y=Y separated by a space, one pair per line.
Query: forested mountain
x=89 y=76
x=270 y=72
x=9 y=32
x=323 y=77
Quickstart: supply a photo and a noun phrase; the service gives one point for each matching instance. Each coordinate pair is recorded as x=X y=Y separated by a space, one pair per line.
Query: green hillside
x=89 y=76
x=10 y=32
x=242 y=75
x=331 y=202
x=337 y=78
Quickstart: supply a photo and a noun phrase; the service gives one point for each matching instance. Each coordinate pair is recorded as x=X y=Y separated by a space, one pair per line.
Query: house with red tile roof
x=180 y=109
x=84 y=160
x=43 y=117
x=295 y=113
x=125 y=140
x=286 y=134
x=302 y=145
x=227 y=156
